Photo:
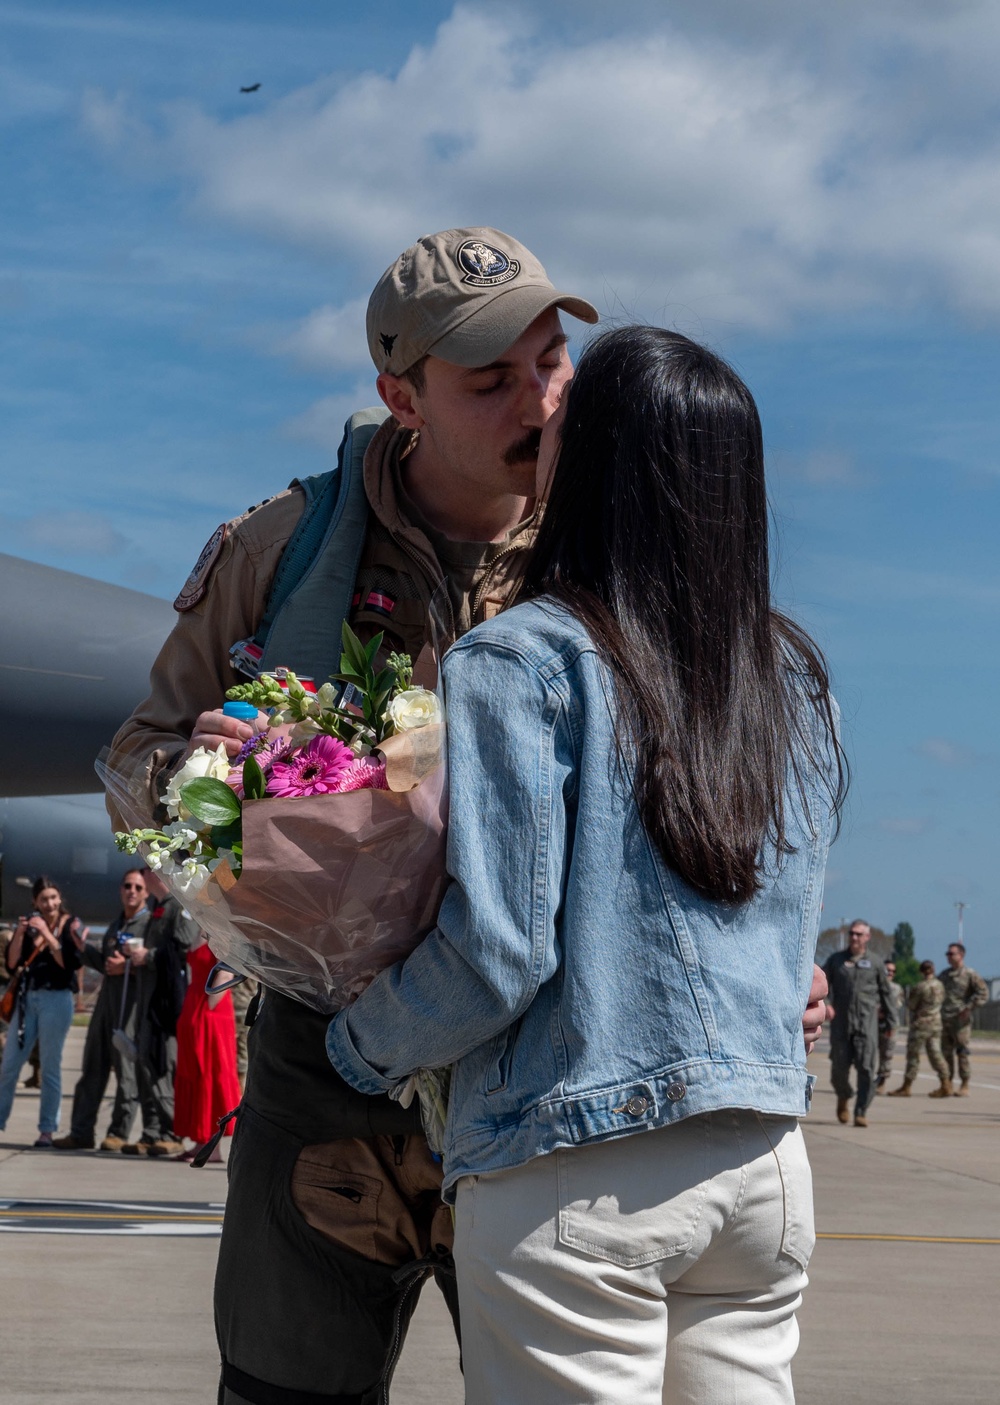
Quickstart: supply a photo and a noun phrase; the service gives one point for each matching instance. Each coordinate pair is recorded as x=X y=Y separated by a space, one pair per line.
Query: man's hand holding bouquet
x=314 y=857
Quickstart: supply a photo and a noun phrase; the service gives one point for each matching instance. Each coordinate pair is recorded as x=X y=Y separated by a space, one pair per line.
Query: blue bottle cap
x=245 y=711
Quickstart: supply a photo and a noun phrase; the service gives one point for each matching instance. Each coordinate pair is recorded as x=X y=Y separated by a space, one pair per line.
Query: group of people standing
x=865 y=1004
x=170 y=1045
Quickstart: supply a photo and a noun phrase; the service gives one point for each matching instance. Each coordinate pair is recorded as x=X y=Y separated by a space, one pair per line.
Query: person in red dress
x=206 y=1086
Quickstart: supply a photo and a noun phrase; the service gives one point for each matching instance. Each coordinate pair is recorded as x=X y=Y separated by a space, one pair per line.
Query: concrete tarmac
x=113 y=1300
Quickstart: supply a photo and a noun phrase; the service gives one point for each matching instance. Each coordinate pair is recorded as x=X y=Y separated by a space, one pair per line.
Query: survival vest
x=313 y=585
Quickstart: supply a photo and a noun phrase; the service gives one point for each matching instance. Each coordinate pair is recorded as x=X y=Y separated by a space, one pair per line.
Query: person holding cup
x=114 y=1008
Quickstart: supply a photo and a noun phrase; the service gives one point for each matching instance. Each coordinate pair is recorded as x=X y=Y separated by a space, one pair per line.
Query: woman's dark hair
x=655 y=536
x=42 y=882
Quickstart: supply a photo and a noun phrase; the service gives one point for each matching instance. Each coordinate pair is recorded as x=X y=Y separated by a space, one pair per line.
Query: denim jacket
x=581 y=989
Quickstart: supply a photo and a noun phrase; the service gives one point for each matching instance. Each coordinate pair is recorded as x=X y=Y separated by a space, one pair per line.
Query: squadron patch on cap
x=197 y=582
x=484 y=265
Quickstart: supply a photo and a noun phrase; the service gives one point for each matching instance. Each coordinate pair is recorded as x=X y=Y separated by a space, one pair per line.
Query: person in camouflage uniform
x=859 y=996
x=887 y=1032
x=924 y=1002
x=964 y=989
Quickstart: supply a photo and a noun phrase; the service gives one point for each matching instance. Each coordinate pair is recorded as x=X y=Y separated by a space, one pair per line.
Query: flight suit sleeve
x=192 y=671
x=889 y=1013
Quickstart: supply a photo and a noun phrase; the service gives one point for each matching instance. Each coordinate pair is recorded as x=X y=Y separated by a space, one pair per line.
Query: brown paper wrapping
x=334 y=888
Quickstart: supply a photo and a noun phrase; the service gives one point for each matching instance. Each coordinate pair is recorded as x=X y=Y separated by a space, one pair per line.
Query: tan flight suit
x=334 y=1215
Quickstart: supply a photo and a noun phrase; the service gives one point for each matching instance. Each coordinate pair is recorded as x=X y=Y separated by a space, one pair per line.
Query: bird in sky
x=252 y=88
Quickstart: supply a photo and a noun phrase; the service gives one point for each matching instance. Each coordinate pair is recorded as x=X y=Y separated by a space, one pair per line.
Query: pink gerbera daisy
x=365 y=774
x=318 y=769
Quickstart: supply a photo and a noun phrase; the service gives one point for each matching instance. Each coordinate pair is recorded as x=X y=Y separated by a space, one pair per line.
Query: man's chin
x=521 y=477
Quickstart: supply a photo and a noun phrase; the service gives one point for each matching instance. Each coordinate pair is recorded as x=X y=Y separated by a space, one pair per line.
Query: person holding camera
x=44 y=957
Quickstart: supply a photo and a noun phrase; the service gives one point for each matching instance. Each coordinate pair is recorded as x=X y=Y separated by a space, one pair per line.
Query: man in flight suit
x=334 y=1216
x=859 y=993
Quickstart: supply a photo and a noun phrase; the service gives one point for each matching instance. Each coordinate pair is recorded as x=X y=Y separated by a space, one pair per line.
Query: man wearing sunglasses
x=115 y=1004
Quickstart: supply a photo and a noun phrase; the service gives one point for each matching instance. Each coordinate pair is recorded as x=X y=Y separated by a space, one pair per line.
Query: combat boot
x=945 y=1090
x=842 y=1113
x=963 y=1092
x=903 y=1091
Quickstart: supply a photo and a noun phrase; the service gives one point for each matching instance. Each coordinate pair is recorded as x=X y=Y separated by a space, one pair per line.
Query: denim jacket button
x=676 y=1091
x=636 y=1106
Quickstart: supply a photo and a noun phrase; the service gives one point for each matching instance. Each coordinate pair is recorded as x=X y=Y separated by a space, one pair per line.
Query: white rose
x=413 y=707
x=200 y=763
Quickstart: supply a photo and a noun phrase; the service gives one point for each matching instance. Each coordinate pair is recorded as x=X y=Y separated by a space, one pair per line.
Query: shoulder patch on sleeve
x=197 y=582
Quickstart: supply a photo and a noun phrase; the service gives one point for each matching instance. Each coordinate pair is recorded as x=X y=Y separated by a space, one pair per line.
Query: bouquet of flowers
x=314 y=857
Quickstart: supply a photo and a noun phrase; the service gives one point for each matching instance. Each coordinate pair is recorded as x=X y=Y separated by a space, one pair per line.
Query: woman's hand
x=815 y=1013
x=39 y=925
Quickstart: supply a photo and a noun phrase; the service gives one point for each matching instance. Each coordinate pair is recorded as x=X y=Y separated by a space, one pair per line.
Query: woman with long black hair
x=645 y=778
x=45 y=949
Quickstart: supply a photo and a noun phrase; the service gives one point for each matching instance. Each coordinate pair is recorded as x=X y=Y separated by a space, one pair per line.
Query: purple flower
x=318 y=769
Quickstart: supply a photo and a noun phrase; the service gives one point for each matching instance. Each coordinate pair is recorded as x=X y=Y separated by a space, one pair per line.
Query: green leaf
x=373 y=647
x=211 y=801
x=226 y=836
x=386 y=680
x=354 y=658
x=254 y=782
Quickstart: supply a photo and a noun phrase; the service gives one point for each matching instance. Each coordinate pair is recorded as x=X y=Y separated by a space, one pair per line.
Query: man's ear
x=398 y=395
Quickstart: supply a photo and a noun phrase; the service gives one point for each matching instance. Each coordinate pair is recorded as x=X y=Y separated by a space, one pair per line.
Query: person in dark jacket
x=114 y=1008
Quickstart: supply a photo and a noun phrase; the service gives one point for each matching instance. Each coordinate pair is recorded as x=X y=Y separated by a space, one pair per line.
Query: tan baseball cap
x=464 y=295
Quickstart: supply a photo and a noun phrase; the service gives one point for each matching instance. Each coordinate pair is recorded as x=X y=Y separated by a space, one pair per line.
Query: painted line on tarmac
x=145 y=1218
x=911 y=1238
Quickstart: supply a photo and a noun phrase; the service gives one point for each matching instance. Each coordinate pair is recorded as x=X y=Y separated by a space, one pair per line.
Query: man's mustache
x=525 y=450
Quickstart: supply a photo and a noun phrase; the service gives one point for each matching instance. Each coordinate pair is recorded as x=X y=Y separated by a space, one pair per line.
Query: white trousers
x=662 y=1265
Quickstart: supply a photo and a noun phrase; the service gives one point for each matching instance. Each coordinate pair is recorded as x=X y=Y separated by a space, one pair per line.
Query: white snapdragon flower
x=413 y=707
x=200 y=763
x=181 y=836
x=191 y=877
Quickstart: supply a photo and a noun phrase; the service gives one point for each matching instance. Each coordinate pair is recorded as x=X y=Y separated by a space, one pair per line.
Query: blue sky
x=183 y=273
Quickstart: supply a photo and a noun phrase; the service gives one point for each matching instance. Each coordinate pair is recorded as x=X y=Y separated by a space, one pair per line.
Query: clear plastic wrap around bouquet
x=316 y=856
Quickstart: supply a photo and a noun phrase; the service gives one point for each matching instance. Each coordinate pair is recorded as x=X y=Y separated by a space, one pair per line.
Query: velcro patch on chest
x=196 y=584
x=377 y=601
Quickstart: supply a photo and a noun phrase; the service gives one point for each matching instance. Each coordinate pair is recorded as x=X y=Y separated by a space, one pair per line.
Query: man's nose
x=539 y=400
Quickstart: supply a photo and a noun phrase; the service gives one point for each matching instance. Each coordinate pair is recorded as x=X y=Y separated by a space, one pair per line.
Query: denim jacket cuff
x=349 y=1063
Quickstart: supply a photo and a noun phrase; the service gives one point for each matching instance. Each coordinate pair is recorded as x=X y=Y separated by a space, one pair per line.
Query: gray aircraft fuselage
x=75 y=655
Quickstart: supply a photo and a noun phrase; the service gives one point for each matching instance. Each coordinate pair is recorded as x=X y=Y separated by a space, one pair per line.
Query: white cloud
x=323 y=422
x=944 y=752
x=723 y=176
x=330 y=339
x=822 y=468
x=75 y=533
